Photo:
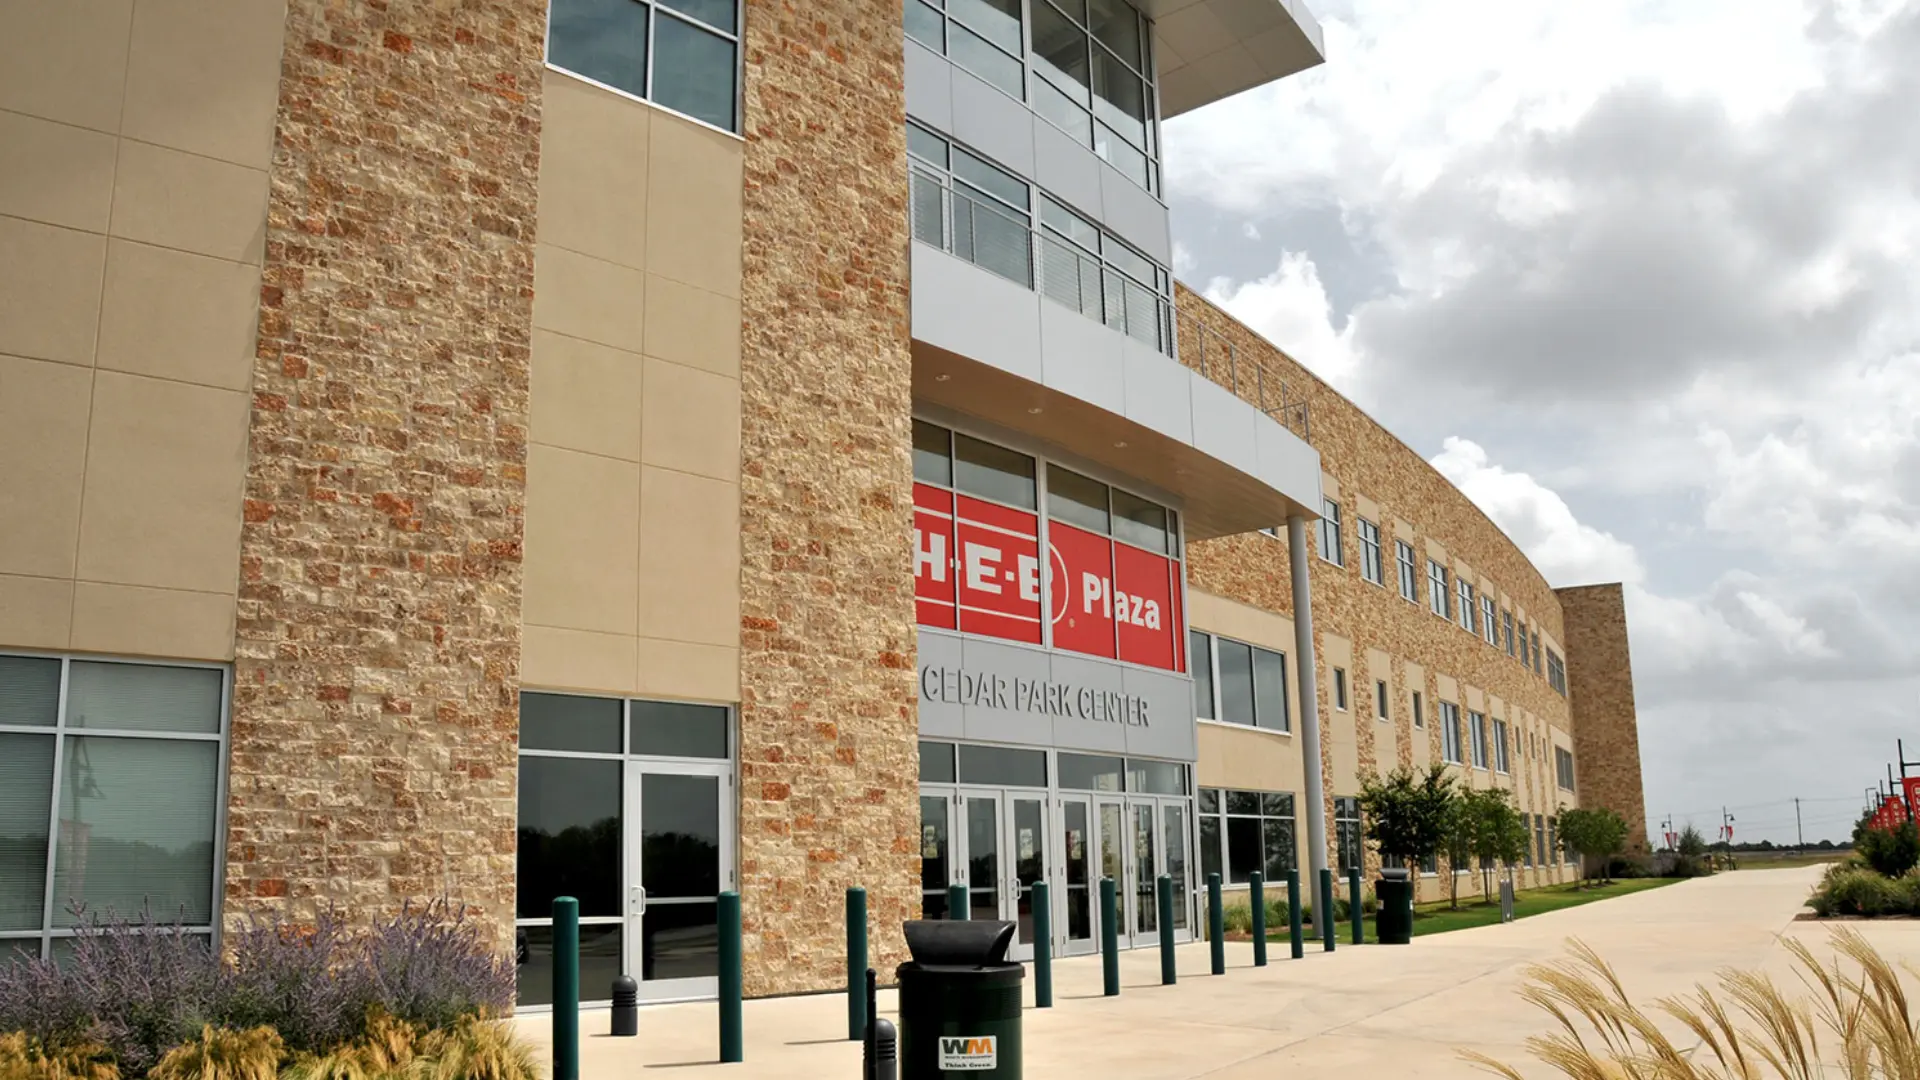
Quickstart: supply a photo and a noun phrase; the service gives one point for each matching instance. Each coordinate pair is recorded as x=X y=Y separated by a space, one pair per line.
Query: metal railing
x=995 y=240
x=1215 y=357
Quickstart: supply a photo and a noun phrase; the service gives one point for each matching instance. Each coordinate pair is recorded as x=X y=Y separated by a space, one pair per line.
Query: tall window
x=1466 y=605
x=964 y=204
x=1506 y=630
x=1370 y=562
x=1244 y=684
x=1330 y=548
x=681 y=54
x=1500 y=746
x=1380 y=699
x=982 y=36
x=1488 y=628
x=1477 y=731
x=1244 y=831
x=1096 y=80
x=1437 y=590
x=109 y=795
x=1540 y=838
x=1537 y=668
x=1340 y=689
x=1419 y=713
x=1409 y=578
x=1450 y=733
x=1553 y=839
x=1556 y=673
x=1563 y=767
x=1346 y=831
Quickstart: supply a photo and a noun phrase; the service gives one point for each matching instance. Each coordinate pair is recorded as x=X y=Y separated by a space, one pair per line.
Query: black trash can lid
x=1394 y=873
x=958 y=943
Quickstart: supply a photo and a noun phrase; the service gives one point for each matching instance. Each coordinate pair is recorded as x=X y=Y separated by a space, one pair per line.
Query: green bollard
x=1293 y=913
x=566 y=988
x=1163 y=896
x=731 y=1049
x=957 y=902
x=1042 y=947
x=856 y=963
x=1109 y=937
x=1323 y=919
x=1216 y=924
x=1354 y=913
x=1257 y=894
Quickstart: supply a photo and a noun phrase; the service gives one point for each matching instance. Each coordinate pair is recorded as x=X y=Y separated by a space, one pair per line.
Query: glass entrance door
x=1027 y=848
x=679 y=829
x=1173 y=850
x=1076 y=884
x=1146 y=869
x=936 y=855
x=1113 y=849
x=984 y=877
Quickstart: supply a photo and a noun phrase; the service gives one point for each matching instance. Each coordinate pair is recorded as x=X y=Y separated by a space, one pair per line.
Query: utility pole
x=1799 y=834
x=1726 y=831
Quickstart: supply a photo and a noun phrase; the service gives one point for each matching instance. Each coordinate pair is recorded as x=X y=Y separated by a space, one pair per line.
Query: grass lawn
x=1767 y=860
x=1438 y=918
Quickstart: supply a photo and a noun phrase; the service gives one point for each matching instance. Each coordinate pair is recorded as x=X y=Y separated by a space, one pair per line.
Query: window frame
x=1217 y=683
x=1372 y=569
x=1451 y=752
x=62 y=733
x=1477 y=737
x=1563 y=768
x=1506 y=628
x=737 y=38
x=1501 y=759
x=1340 y=689
x=1330 y=533
x=1409 y=571
x=1222 y=813
x=1347 y=833
x=1466 y=613
x=1489 y=629
x=1380 y=700
x=1419 y=716
x=1439 y=590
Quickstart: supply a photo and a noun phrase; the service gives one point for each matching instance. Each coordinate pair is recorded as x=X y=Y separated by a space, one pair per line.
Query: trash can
x=1393 y=922
x=959 y=1001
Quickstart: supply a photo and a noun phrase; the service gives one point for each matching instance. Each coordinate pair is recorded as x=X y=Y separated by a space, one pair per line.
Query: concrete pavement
x=1371 y=1009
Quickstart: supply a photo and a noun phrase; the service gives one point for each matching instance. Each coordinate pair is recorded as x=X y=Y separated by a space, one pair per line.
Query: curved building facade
x=642 y=451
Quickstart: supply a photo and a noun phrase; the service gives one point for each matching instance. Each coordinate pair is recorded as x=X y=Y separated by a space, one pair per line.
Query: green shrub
x=1239 y=919
x=1860 y=892
x=1276 y=915
x=1892 y=852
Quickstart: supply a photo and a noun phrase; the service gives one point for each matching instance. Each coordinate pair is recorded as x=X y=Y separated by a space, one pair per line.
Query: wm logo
x=966 y=1053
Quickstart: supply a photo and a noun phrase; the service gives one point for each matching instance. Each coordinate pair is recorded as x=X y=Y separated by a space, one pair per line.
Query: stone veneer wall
x=1366 y=461
x=829 y=753
x=1606 y=728
x=376 y=683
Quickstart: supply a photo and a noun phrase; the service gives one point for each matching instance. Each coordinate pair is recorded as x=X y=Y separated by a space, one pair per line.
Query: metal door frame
x=632 y=847
x=1057 y=875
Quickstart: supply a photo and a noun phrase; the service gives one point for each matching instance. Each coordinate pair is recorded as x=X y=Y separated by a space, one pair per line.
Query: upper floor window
x=1409 y=578
x=1370 y=567
x=962 y=203
x=1330 y=549
x=1419 y=717
x=1466 y=605
x=1380 y=699
x=1488 y=628
x=1238 y=683
x=1340 y=689
x=1450 y=733
x=982 y=36
x=1537 y=668
x=680 y=54
x=1506 y=630
x=1500 y=762
x=1477 y=731
x=1346 y=831
x=1556 y=673
x=1437 y=594
x=1563 y=767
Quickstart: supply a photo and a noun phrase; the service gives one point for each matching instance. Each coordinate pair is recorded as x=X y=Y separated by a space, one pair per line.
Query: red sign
x=1082 y=600
x=1143 y=602
x=933 y=556
x=998 y=563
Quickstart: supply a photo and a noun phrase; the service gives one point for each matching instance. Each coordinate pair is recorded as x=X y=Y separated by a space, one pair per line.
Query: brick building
x=642 y=448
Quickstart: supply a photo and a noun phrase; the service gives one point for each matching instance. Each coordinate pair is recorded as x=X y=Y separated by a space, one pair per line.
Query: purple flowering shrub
x=142 y=987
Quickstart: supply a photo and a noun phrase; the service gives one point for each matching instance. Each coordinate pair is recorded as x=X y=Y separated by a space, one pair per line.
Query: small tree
x=1406 y=814
x=1499 y=833
x=1595 y=833
x=1893 y=851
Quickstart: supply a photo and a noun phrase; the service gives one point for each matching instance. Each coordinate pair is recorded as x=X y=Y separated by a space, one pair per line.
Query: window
x=1488 y=628
x=1340 y=689
x=109 y=794
x=1093 y=272
x=1437 y=596
x=1380 y=699
x=1500 y=746
x=1450 y=733
x=1330 y=548
x=1370 y=565
x=1526 y=855
x=1540 y=838
x=1477 y=732
x=1556 y=673
x=1251 y=683
x=1430 y=863
x=1419 y=714
x=1244 y=831
x=1096 y=81
x=982 y=36
x=1346 y=831
x=1553 y=840
x=1563 y=767
x=1506 y=630
x=1409 y=579
x=1466 y=605
x=1536 y=653
x=1200 y=654
x=680 y=54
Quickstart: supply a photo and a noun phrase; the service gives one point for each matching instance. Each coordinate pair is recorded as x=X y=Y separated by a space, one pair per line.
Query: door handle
x=637 y=900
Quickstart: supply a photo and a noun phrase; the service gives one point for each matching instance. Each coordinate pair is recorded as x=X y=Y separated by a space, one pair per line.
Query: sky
x=1643 y=280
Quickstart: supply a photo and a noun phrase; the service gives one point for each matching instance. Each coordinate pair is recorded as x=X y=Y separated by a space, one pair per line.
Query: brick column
x=376 y=681
x=1606 y=728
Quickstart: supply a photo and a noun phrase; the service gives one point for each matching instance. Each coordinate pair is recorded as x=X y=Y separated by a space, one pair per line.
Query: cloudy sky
x=1643 y=279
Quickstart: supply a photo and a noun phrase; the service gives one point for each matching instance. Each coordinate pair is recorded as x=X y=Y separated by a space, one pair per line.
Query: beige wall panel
x=556 y=658
x=691 y=421
x=1219 y=615
x=43 y=453
x=689 y=558
x=56 y=174
x=1232 y=756
x=1366 y=508
x=136 y=621
x=35 y=612
x=175 y=315
x=593 y=171
x=65 y=60
x=204 y=75
x=583 y=532
x=679 y=669
x=692 y=326
x=586 y=397
x=49 y=291
x=193 y=203
x=1448 y=689
x=165 y=467
x=694 y=192
x=590 y=298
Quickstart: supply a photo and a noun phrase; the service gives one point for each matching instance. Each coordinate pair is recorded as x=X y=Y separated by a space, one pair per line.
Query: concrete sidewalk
x=1366 y=1011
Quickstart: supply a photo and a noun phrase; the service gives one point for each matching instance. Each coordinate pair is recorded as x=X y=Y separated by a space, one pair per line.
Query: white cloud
x=1538 y=519
x=1290 y=305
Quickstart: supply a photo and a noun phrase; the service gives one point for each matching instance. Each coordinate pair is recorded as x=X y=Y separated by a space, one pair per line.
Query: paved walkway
x=1369 y=1011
